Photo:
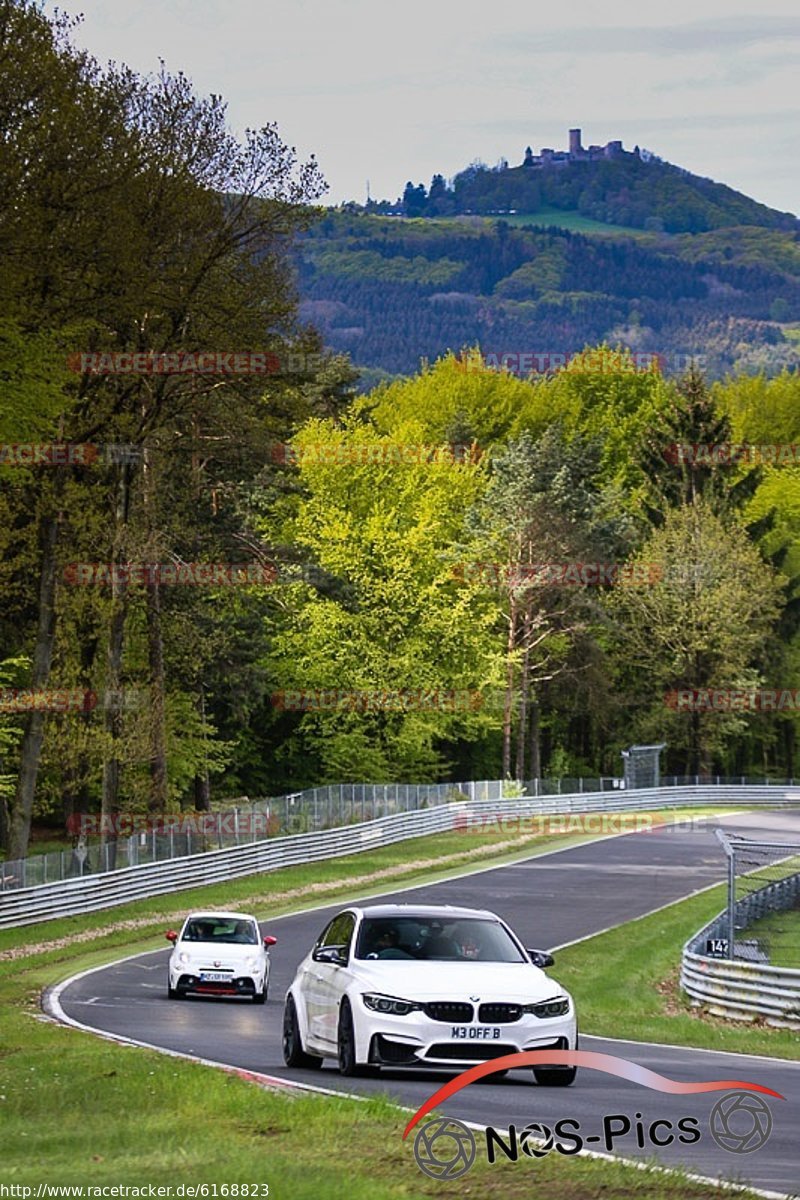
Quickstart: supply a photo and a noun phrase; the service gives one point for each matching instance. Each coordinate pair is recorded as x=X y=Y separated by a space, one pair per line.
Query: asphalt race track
x=549 y=901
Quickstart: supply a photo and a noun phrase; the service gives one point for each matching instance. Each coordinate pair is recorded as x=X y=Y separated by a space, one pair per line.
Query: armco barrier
x=26 y=906
x=738 y=989
x=144 y=839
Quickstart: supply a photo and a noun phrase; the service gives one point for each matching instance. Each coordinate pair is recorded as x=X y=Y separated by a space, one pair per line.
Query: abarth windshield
x=222 y=930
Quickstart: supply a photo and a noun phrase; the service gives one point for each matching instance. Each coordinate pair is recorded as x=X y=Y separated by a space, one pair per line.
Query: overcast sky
x=388 y=92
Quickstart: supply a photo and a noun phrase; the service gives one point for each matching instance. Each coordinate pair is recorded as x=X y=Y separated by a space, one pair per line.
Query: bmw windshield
x=436 y=939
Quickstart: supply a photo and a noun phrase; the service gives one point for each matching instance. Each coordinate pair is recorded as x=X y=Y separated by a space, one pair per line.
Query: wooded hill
x=391 y=291
x=626 y=190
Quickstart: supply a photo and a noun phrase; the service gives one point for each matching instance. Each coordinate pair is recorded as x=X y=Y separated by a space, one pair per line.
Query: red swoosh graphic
x=622 y=1067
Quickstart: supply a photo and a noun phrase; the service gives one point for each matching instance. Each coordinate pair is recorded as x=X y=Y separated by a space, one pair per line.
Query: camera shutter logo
x=536 y=1140
x=444 y=1148
x=740 y=1122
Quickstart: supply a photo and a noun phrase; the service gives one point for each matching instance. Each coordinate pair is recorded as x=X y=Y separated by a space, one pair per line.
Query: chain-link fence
x=128 y=840
x=762 y=918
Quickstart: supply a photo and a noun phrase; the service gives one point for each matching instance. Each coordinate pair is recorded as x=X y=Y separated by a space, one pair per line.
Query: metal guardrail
x=141 y=839
x=738 y=989
x=25 y=906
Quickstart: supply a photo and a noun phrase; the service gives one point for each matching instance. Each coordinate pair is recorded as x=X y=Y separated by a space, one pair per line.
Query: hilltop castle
x=576 y=153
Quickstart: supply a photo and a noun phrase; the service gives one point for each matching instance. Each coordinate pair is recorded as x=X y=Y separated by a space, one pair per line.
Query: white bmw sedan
x=219 y=954
x=404 y=985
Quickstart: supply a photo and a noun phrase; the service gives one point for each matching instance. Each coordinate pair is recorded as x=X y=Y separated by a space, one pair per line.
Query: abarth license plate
x=214 y=977
x=475 y=1033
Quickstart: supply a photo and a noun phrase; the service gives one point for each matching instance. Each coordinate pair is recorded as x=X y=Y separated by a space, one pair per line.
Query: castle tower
x=575 y=147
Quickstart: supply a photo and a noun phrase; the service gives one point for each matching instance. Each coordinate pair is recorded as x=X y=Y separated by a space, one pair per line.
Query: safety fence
x=132 y=840
x=725 y=975
x=88 y=893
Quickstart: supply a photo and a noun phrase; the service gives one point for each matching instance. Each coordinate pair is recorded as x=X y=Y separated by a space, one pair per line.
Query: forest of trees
x=131 y=221
x=391 y=292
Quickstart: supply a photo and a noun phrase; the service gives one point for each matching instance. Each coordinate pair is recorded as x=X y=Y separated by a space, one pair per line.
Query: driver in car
x=387 y=945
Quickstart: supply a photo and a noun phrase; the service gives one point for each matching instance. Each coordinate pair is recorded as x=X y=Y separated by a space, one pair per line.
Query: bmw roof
x=423 y=910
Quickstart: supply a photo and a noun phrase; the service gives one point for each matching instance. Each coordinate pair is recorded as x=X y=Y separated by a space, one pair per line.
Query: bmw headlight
x=557 y=1007
x=389 y=1004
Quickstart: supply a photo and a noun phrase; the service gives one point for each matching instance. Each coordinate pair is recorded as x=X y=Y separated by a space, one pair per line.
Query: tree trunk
x=694 y=744
x=112 y=712
x=525 y=686
x=5 y=829
x=788 y=749
x=157 y=802
x=535 y=744
x=202 y=784
x=33 y=735
x=508 y=710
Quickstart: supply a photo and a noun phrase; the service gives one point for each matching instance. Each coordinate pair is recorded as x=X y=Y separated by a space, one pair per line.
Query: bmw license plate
x=214 y=977
x=475 y=1033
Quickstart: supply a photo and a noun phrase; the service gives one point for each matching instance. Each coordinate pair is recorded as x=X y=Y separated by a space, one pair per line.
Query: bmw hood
x=426 y=981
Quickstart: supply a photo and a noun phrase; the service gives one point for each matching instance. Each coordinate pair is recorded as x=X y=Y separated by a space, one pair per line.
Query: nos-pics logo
x=445 y=1148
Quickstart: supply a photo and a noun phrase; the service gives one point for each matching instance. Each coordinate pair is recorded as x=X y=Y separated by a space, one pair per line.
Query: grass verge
x=779 y=932
x=626 y=985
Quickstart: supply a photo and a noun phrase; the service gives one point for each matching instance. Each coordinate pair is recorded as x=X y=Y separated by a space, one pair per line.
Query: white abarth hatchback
x=219 y=954
x=414 y=986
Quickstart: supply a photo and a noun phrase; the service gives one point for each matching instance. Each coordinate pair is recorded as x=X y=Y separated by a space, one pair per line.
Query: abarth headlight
x=390 y=1005
x=184 y=958
x=252 y=963
x=557 y=1007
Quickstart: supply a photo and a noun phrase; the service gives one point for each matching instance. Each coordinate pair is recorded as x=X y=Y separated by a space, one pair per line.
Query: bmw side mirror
x=541 y=958
x=330 y=954
x=171 y=936
x=269 y=941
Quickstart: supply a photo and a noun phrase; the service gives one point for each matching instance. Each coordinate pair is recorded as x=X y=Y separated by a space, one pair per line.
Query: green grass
x=563 y=218
x=75 y=1109
x=626 y=985
x=571 y=220
x=780 y=934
